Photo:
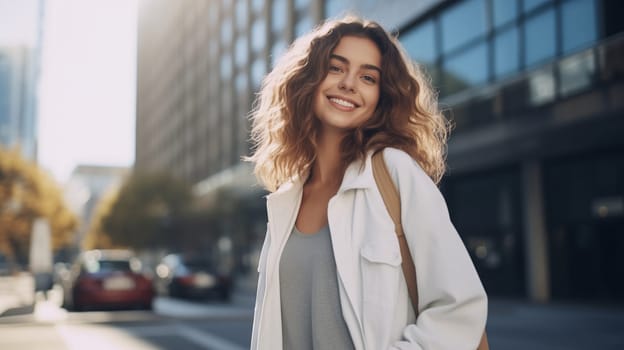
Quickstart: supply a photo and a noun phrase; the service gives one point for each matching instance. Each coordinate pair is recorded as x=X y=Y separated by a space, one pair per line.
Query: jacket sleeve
x=452 y=301
x=260 y=290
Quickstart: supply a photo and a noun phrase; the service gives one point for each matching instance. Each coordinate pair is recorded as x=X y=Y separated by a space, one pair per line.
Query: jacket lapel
x=359 y=175
x=346 y=243
x=282 y=208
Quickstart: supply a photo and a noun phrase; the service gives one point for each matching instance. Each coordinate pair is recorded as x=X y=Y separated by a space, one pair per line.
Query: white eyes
x=367 y=78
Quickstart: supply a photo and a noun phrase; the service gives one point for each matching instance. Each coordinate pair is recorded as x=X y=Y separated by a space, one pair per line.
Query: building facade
x=86 y=187
x=20 y=52
x=534 y=89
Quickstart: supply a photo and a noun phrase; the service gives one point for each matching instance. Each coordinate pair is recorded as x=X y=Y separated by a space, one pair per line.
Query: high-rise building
x=535 y=89
x=536 y=160
x=20 y=46
x=86 y=187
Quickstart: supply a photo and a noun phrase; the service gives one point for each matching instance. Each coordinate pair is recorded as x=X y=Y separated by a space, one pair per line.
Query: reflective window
x=302 y=4
x=539 y=34
x=504 y=11
x=226 y=67
x=466 y=69
x=528 y=5
x=420 y=43
x=257 y=5
x=506 y=55
x=258 y=35
x=213 y=48
x=578 y=20
x=240 y=52
x=576 y=72
x=334 y=8
x=278 y=14
x=241 y=14
x=240 y=83
x=303 y=26
x=462 y=23
x=541 y=87
x=277 y=50
x=258 y=70
x=226 y=31
x=213 y=13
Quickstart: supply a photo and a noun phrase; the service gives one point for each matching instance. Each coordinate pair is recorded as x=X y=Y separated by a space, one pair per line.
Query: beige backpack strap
x=392 y=200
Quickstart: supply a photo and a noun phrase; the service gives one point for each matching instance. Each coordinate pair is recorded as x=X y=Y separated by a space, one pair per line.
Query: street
x=174 y=324
x=141 y=335
x=514 y=325
x=178 y=324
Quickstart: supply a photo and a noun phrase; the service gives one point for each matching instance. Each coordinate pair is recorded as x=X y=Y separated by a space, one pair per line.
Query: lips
x=342 y=103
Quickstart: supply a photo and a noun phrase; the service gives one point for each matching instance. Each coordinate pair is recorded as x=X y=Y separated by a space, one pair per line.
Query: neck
x=327 y=169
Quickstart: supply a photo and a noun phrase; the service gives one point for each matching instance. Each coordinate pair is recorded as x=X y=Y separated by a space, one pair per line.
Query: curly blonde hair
x=284 y=127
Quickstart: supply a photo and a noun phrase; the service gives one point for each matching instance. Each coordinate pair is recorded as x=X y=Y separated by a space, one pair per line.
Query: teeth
x=342 y=102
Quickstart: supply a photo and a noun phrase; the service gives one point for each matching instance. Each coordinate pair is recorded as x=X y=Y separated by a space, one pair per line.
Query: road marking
x=99 y=337
x=47 y=311
x=206 y=339
x=185 y=309
x=96 y=337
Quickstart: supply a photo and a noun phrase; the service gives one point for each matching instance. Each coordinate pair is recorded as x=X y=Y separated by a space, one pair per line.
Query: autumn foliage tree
x=28 y=193
x=145 y=212
x=97 y=237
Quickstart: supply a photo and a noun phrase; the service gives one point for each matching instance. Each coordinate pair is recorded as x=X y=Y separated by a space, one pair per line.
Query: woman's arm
x=452 y=301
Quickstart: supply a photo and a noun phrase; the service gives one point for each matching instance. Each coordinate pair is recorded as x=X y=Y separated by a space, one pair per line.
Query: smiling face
x=348 y=95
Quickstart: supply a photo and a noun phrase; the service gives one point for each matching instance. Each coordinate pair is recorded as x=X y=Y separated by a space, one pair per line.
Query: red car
x=107 y=279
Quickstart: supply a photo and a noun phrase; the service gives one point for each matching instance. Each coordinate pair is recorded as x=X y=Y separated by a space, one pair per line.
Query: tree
x=97 y=237
x=146 y=212
x=28 y=193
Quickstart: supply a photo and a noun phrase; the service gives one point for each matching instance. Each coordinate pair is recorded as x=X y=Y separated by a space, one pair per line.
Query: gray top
x=311 y=314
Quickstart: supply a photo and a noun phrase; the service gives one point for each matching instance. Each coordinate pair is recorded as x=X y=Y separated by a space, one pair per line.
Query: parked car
x=190 y=276
x=5 y=266
x=107 y=279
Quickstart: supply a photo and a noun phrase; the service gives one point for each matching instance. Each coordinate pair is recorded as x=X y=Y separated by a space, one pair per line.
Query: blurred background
x=123 y=124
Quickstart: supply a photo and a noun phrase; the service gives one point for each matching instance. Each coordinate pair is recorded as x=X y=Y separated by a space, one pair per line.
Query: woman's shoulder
x=400 y=165
x=399 y=159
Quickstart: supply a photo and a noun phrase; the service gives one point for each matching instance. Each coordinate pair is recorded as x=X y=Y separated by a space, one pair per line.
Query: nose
x=347 y=83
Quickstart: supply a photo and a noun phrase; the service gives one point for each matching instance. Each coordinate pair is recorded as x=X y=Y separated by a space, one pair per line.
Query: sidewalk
x=16 y=291
x=512 y=324
x=517 y=324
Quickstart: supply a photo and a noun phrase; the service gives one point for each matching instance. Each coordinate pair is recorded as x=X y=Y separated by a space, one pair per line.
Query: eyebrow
x=346 y=61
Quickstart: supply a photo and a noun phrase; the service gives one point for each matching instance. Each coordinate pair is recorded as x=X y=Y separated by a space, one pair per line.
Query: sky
x=16 y=21
x=87 y=85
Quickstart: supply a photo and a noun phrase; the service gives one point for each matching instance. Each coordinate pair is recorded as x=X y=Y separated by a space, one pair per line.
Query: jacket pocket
x=380 y=265
x=381 y=252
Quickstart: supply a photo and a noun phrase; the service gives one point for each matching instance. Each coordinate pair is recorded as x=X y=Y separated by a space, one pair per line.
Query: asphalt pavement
x=517 y=324
x=513 y=324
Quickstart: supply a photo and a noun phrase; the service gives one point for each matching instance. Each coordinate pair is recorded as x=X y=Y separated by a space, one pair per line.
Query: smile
x=342 y=103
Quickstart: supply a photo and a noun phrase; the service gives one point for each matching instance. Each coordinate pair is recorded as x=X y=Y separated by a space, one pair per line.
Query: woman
x=330 y=266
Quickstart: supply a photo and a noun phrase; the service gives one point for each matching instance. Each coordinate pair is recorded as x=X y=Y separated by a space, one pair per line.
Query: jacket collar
x=283 y=204
x=356 y=177
x=359 y=175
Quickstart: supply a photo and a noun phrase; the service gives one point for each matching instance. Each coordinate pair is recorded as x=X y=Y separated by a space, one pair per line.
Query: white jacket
x=373 y=294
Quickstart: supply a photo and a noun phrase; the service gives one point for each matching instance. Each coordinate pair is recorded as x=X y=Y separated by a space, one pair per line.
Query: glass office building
x=20 y=56
x=536 y=160
x=534 y=89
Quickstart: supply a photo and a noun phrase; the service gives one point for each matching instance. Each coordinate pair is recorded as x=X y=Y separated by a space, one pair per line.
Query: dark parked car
x=107 y=279
x=188 y=276
x=5 y=266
